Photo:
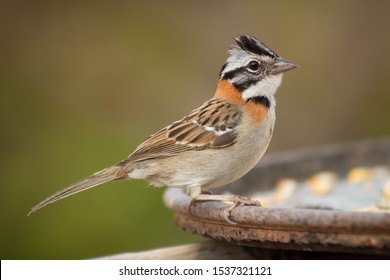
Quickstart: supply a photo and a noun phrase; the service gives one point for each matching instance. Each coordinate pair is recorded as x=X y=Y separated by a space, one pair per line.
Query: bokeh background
x=83 y=82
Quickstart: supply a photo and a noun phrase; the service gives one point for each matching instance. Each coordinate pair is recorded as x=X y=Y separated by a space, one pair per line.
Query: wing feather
x=211 y=126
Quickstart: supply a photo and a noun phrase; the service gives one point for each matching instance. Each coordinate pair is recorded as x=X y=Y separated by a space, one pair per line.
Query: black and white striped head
x=253 y=68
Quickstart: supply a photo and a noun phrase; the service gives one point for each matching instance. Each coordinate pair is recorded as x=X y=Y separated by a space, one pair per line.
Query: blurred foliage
x=83 y=82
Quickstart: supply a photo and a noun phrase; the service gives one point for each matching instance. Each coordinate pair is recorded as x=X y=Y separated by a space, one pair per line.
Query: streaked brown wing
x=211 y=126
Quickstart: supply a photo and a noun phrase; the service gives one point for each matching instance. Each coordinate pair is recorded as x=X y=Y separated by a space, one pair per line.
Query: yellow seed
x=323 y=182
x=284 y=189
x=358 y=174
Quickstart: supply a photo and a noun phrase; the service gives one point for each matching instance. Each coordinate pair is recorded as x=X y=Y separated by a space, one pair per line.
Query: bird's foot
x=236 y=200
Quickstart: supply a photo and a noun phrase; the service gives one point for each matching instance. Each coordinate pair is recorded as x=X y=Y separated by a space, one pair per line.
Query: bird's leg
x=194 y=193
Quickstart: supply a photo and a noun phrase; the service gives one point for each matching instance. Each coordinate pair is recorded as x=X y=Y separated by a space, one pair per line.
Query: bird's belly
x=207 y=168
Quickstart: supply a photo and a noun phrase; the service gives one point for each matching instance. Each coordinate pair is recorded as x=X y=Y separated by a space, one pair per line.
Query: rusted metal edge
x=287 y=239
x=326 y=221
x=335 y=231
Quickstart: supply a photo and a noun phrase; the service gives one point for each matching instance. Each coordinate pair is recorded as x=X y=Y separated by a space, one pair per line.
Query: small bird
x=216 y=143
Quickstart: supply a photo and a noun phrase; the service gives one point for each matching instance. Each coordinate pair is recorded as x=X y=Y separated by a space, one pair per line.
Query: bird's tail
x=98 y=178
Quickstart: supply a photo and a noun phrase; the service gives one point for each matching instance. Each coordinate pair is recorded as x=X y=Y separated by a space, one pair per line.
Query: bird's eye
x=253 y=66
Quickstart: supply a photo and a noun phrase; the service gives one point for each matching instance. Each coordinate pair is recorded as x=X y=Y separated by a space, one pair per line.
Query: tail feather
x=94 y=180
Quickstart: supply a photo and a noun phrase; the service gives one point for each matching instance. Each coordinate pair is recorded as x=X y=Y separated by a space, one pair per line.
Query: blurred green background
x=83 y=82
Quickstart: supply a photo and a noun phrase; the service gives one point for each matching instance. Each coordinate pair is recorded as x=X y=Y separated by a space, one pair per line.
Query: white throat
x=266 y=87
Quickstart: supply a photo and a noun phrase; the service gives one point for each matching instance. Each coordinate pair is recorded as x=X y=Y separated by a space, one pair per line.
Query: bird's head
x=253 y=68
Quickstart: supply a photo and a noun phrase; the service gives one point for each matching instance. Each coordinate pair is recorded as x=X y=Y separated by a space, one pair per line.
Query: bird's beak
x=281 y=65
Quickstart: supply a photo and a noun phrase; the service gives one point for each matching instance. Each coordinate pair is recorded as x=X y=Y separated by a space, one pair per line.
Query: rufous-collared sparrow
x=216 y=143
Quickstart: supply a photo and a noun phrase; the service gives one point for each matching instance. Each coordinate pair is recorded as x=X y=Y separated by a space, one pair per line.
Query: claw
x=227 y=213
